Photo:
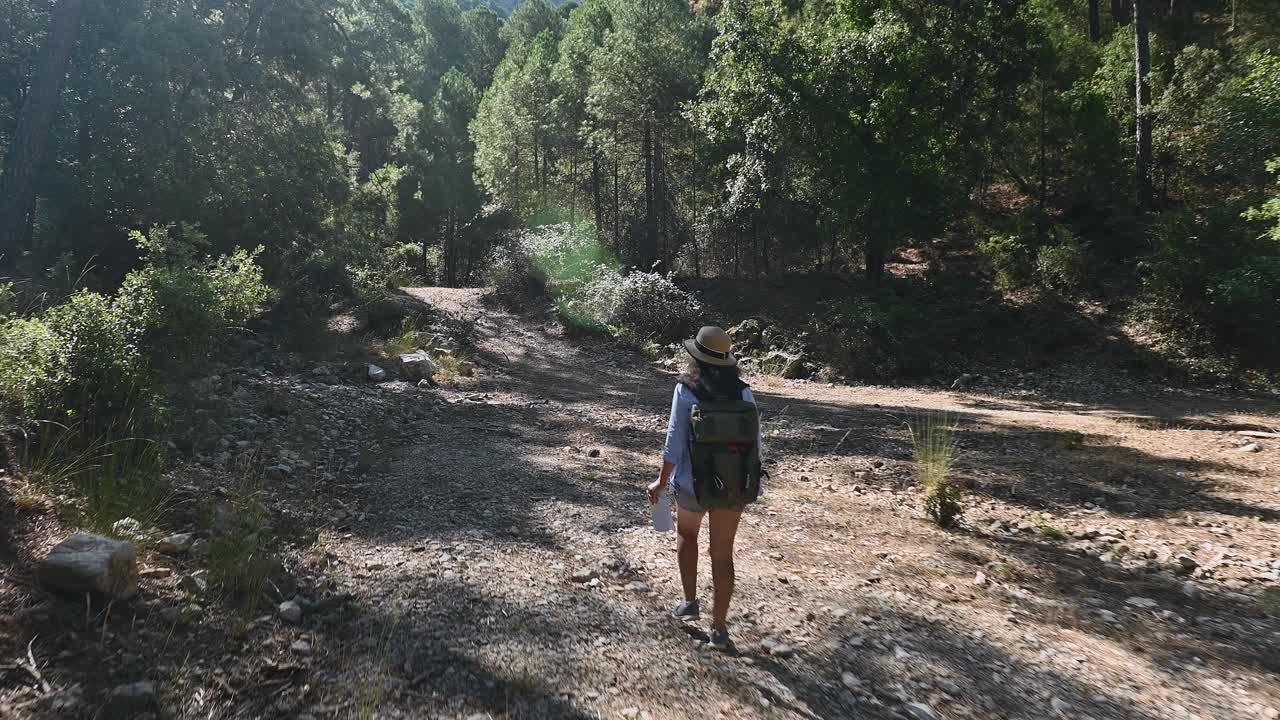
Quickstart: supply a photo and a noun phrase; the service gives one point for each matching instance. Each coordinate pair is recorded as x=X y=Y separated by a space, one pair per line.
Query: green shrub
x=647 y=306
x=1010 y=258
x=1062 y=267
x=8 y=300
x=29 y=366
x=513 y=276
x=932 y=439
x=880 y=336
x=185 y=309
x=1216 y=271
x=101 y=370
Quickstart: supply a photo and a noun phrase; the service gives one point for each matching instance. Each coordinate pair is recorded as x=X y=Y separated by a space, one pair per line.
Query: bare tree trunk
x=597 y=206
x=617 y=212
x=1044 y=174
x=1095 y=22
x=1142 y=66
x=649 y=243
x=27 y=147
x=1120 y=12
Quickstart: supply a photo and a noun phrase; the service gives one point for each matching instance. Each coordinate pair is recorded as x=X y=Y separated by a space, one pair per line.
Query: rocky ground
x=481 y=550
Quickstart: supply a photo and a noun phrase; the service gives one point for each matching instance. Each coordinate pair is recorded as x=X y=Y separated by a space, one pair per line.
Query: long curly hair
x=721 y=381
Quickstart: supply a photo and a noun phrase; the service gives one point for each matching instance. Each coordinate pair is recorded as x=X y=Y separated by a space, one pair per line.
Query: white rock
x=127 y=699
x=375 y=373
x=637 y=586
x=127 y=528
x=197 y=583
x=176 y=544
x=919 y=711
x=91 y=563
x=585 y=576
x=980 y=579
x=1251 y=448
x=417 y=366
x=301 y=647
x=851 y=681
x=290 y=611
x=1142 y=603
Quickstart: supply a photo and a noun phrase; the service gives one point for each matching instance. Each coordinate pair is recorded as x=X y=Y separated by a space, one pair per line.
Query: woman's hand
x=655 y=489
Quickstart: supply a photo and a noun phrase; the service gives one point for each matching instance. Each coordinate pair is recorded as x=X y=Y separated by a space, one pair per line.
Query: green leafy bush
x=1064 y=266
x=1216 y=271
x=590 y=291
x=29 y=366
x=89 y=360
x=101 y=371
x=1010 y=258
x=880 y=336
x=513 y=276
x=648 y=306
x=8 y=300
x=184 y=309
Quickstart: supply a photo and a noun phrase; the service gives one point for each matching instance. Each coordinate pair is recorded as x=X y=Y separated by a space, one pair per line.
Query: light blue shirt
x=676 y=450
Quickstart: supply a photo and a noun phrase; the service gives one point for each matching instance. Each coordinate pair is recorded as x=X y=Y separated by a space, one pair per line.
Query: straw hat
x=712 y=346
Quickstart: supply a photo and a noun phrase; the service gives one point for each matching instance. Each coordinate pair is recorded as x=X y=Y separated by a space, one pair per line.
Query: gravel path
x=503 y=566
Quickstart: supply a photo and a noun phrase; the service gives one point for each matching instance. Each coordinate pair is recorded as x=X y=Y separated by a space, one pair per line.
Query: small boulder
x=1251 y=448
x=1142 y=603
x=919 y=711
x=417 y=366
x=279 y=471
x=797 y=368
x=851 y=681
x=128 y=529
x=301 y=647
x=1191 y=591
x=1186 y=564
x=91 y=563
x=290 y=612
x=128 y=700
x=197 y=583
x=176 y=544
x=375 y=373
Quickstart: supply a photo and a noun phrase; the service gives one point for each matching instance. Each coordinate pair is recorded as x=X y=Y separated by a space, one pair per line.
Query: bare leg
x=687 y=526
x=724 y=528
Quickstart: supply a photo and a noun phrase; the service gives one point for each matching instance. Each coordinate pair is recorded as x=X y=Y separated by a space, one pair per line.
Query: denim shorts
x=689 y=502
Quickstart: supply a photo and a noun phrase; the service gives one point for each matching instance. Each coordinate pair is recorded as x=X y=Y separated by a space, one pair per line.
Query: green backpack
x=723 y=453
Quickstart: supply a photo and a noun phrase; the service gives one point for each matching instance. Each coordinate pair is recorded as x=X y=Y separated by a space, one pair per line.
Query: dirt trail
x=463 y=559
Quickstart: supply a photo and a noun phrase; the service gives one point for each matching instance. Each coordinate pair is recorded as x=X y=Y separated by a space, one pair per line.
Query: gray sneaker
x=721 y=641
x=687 y=610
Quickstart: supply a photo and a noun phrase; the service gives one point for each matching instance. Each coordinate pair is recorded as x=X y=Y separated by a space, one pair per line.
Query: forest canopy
x=1126 y=149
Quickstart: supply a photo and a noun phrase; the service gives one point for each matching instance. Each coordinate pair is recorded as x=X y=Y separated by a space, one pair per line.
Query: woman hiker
x=710 y=472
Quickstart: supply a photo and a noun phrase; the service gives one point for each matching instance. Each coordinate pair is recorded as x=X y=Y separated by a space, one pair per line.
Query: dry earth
x=1116 y=560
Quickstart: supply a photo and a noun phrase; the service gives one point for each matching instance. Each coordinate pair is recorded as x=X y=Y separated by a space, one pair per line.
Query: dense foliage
x=364 y=144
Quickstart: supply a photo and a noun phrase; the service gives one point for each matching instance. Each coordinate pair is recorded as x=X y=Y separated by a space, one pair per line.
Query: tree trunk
x=1120 y=12
x=1044 y=173
x=617 y=212
x=1095 y=22
x=1142 y=66
x=26 y=148
x=649 y=243
x=597 y=205
x=874 y=256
